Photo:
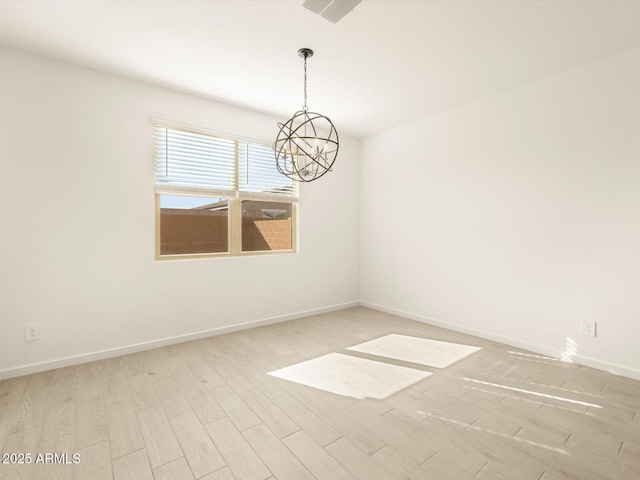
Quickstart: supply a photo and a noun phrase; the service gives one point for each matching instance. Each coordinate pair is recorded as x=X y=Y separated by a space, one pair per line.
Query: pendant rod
x=305 y=53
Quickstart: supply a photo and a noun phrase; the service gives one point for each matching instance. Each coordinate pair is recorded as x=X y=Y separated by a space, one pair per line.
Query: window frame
x=235 y=199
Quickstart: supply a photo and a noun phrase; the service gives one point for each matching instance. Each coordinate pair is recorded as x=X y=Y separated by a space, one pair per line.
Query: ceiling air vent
x=332 y=10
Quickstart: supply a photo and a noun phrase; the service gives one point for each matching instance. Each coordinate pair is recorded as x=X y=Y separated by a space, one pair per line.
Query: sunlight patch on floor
x=423 y=351
x=351 y=376
x=531 y=392
x=503 y=435
x=530 y=355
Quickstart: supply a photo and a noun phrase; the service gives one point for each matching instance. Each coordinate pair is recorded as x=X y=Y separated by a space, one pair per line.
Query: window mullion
x=236 y=166
x=235 y=226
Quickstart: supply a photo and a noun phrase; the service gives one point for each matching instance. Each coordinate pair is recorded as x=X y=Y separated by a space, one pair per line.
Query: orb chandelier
x=307 y=144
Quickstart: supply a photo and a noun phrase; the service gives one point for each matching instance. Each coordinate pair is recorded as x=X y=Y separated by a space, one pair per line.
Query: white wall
x=515 y=217
x=77 y=229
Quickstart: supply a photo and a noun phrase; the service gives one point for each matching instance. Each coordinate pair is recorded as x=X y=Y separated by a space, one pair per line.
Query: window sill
x=192 y=256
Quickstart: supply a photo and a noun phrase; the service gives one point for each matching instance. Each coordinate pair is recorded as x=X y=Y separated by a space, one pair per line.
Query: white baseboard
x=139 y=347
x=586 y=361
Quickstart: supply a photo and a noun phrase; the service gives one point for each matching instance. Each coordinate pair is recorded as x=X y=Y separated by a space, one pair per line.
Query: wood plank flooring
x=208 y=410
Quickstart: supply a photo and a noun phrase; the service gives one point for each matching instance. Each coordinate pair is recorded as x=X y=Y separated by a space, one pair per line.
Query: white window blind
x=259 y=174
x=186 y=160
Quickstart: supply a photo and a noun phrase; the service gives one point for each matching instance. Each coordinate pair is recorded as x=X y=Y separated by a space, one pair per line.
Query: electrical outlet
x=589 y=328
x=31 y=332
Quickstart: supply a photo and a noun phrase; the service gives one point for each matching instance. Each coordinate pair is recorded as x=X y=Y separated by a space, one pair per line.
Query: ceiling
x=385 y=63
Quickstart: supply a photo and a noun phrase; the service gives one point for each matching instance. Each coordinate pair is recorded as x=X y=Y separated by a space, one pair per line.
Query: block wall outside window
x=266 y=226
x=200 y=226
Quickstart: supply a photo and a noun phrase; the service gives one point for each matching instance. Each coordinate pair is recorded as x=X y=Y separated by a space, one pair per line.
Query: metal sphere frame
x=307 y=144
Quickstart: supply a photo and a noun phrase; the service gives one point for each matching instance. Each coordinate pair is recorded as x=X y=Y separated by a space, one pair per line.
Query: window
x=266 y=226
x=218 y=195
x=193 y=225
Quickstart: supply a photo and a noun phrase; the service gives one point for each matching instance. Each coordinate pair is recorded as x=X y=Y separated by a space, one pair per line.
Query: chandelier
x=307 y=144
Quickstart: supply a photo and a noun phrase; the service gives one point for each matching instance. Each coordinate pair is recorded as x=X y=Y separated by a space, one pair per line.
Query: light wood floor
x=207 y=410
